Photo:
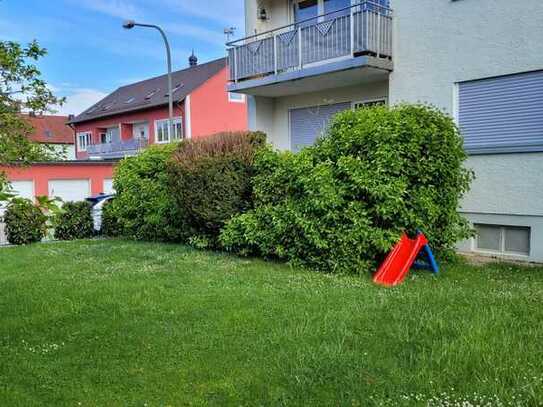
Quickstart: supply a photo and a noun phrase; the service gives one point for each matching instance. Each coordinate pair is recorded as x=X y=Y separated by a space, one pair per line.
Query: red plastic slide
x=397 y=264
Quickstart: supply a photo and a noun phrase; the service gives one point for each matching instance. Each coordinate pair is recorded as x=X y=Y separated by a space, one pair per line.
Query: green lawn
x=133 y=324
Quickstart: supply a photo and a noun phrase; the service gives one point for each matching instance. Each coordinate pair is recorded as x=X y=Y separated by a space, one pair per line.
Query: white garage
x=108 y=186
x=70 y=190
x=23 y=189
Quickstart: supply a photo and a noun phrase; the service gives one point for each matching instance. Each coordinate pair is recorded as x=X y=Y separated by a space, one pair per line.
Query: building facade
x=53 y=131
x=304 y=60
x=136 y=115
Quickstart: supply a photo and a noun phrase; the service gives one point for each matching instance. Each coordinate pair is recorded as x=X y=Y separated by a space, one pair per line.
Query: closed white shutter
x=23 y=189
x=503 y=114
x=70 y=190
x=108 y=186
x=309 y=123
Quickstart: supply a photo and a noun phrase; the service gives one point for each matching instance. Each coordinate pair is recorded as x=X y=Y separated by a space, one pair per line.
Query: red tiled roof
x=49 y=129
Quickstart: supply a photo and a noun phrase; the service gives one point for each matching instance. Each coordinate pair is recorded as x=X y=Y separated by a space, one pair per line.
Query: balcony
x=353 y=38
x=116 y=149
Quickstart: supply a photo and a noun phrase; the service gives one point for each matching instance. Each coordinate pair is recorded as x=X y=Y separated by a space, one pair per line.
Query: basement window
x=500 y=239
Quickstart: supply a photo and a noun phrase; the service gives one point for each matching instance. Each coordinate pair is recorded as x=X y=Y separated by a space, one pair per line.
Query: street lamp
x=129 y=24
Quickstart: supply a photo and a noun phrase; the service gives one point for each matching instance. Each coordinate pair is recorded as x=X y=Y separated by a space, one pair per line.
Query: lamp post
x=129 y=24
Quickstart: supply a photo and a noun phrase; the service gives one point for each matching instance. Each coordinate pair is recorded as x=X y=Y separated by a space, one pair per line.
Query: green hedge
x=144 y=206
x=210 y=179
x=111 y=225
x=342 y=204
x=25 y=223
x=74 y=221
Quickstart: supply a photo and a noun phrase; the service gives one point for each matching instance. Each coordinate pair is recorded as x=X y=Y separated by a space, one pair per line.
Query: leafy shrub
x=343 y=203
x=111 y=226
x=74 y=221
x=144 y=207
x=25 y=223
x=210 y=179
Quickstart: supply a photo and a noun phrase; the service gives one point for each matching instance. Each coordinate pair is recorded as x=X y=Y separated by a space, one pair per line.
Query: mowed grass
x=114 y=323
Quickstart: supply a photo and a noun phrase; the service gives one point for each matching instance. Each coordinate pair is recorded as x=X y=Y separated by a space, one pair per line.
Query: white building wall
x=68 y=150
x=440 y=43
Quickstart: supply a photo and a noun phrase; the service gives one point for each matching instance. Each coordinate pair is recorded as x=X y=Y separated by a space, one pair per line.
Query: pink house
x=136 y=115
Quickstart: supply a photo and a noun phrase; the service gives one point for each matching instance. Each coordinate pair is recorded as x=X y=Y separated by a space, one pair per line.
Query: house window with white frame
x=84 y=139
x=369 y=103
x=162 y=130
x=236 y=97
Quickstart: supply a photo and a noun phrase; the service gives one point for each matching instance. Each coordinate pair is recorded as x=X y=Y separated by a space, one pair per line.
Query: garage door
x=70 y=190
x=108 y=186
x=23 y=189
x=308 y=123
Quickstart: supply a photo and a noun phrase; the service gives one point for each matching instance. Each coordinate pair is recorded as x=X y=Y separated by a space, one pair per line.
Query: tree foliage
x=343 y=203
x=22 y=89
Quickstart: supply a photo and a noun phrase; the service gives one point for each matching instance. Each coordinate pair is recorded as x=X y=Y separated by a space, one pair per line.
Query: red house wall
x=149 y=115
x=210 y=110
x=42 y=173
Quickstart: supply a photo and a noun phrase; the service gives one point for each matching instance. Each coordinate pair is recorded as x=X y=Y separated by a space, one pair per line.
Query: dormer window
x=107 y=106
x=92 y=110
x=175 y=89
x=151 y=94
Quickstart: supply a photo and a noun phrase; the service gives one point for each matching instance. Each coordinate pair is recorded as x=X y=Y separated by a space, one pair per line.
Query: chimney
x=193 y=61
x=71 y=117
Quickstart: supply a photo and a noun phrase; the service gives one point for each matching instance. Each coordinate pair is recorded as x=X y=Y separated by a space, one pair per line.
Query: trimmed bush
x=74 y=221
x=210 y=179
x=144 y=206
x=111 y=226
x=25 y=223
x=343 y=203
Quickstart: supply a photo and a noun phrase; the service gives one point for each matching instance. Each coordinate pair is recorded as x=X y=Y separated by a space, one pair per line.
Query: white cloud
x=80 y=99
x=113 y=8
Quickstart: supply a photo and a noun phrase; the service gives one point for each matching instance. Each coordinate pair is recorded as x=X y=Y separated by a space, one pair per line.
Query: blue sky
x=90 y=54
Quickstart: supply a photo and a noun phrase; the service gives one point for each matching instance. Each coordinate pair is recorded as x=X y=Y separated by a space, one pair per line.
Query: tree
x=22 y=89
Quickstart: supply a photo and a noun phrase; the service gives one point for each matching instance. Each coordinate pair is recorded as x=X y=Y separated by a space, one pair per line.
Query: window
x=84 y=140
x=369 y=103
x=48 y=133
x=104 y=139
x=503 y=114
x=236 y=97
x=129 y=100
x=333 y=5
x=503 y=239
x=309 y=123
x=175 y=89
x=162 y=130
x=151 y=94
x=306 y=9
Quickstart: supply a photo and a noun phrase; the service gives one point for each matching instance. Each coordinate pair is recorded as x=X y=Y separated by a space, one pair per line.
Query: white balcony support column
x=300 y=54
x=352 y=30
x=379 y=34
x=275 y=62
x=235 y=64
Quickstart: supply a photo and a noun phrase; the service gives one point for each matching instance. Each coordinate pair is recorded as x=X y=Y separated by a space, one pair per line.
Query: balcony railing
x=361 y=29
x=117 y=149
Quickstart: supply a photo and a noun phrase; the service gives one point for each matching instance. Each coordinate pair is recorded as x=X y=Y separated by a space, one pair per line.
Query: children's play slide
x=400 y=260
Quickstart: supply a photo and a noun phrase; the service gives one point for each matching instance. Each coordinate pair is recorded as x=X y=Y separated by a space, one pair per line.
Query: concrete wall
x=278 y=11
x=440 y=43
x=42 y=173
x=68 y=150
x=272 y=115
x=212 y=112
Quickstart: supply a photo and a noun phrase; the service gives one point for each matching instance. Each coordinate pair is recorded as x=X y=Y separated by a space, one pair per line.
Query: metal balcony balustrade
x=361 y=29
x=117 y=148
